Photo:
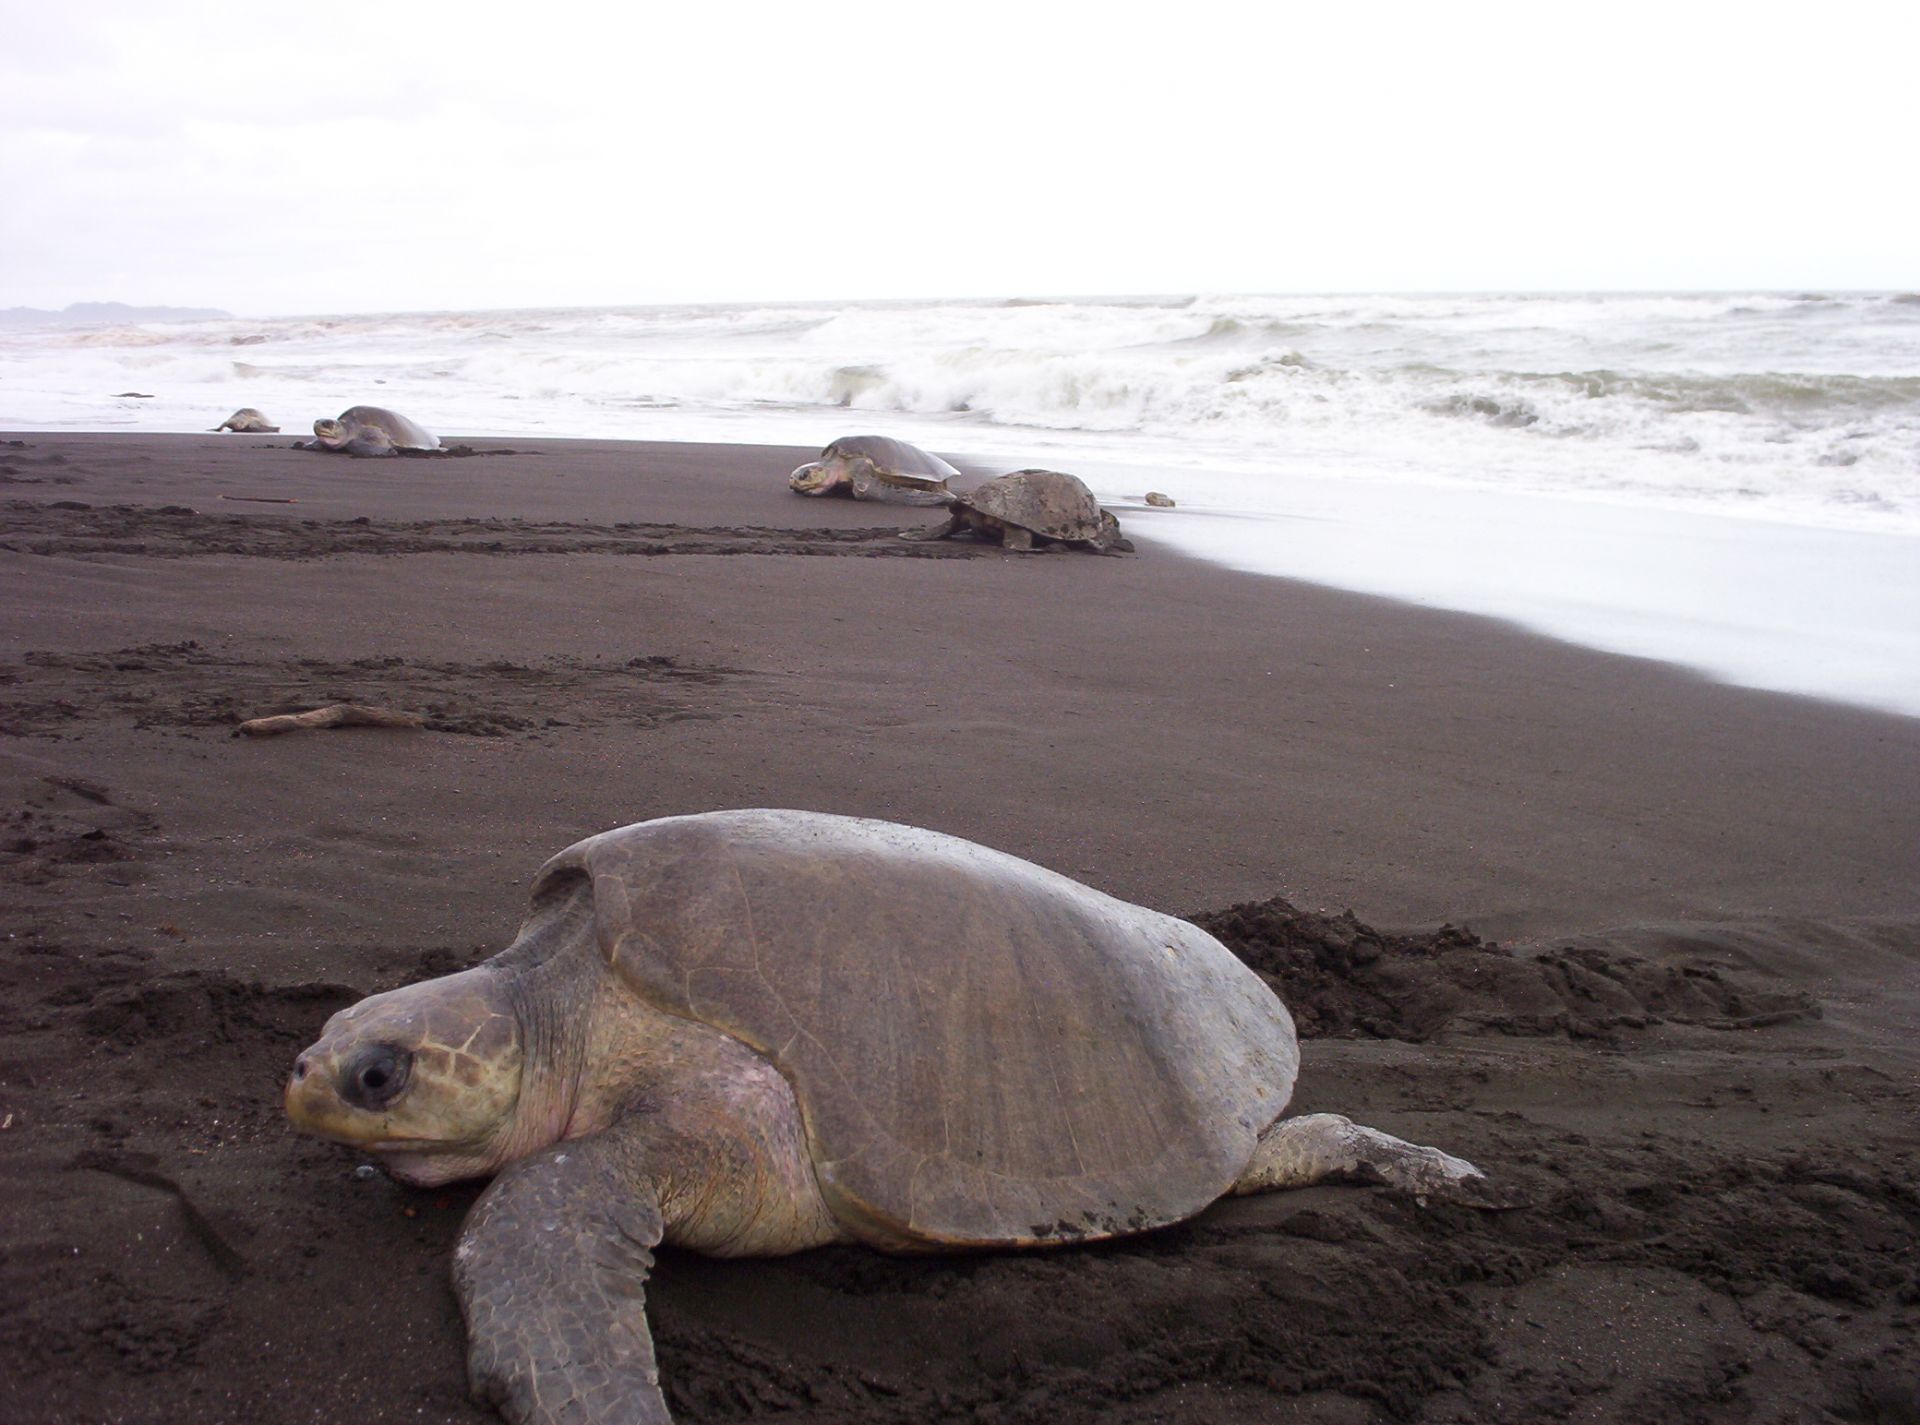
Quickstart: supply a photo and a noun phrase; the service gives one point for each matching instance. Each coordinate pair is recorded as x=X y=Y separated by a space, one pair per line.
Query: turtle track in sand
x=75 y=528
x=187 y=685
x=16 y=465
x=66 y=826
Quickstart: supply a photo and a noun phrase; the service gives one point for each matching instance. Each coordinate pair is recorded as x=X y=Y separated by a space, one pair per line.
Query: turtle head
x=819 y=477
x=329 y=432
x=427 y=1077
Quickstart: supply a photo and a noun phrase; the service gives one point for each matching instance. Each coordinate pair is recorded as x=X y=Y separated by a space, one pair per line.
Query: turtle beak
x=313 y=1105
x=343 y=1095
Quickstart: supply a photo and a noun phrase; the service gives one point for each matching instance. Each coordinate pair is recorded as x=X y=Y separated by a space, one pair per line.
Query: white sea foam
x=1797 y=410
x=1823 y=611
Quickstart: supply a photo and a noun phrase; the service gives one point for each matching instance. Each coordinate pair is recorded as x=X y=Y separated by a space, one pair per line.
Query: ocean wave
x=1516 y=414
x=1239 y=332
x=108 y=338
x=1759 y=393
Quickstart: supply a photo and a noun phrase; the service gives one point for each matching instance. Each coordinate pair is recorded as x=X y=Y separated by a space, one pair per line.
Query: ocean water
x=1729 y=481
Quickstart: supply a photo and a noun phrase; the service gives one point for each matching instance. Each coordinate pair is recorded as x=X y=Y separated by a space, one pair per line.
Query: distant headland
x=102 y=314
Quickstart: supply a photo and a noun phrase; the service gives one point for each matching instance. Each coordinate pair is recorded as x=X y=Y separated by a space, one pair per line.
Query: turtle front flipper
x=550 y=1272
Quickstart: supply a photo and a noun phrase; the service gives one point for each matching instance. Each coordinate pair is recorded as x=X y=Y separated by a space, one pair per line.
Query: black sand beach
x=1682 y=1025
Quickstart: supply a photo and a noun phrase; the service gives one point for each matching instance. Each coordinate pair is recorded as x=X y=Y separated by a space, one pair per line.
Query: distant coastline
x=101 y=314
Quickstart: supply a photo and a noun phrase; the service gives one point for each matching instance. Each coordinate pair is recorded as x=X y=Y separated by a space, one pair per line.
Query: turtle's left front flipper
x=551 y=1272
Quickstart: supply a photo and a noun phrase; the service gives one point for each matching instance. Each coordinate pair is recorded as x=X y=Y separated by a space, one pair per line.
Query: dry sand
x=1692 y=1052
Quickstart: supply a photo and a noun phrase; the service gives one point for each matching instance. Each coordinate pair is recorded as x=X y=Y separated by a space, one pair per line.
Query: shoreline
x=1712 y=1145
x=1755 y=599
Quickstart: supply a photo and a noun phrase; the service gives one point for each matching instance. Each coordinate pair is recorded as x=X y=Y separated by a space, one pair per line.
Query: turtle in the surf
x=1025 y=510
x=248 y=421
x=749 y=1033
x=368 y=430
x=857 y=466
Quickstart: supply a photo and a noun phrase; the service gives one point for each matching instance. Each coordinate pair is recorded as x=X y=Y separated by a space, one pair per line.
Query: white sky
x=355 y=157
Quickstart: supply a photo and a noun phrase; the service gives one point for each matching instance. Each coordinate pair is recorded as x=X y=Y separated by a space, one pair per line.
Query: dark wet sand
x=1694 y=1051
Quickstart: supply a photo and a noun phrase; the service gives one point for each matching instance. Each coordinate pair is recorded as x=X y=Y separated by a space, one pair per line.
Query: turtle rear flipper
x=1326 y=1147
x=550 y=1272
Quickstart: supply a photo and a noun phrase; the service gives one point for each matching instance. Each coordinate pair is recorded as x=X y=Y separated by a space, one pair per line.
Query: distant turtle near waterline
x=856 y=466
x=750 y=1033
x=368 y=430
x=1025 y=511
x=248 y=421
x=1159 y=501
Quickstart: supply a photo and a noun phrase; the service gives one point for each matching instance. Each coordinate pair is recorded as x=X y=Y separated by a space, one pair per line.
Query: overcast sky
x=406 y=155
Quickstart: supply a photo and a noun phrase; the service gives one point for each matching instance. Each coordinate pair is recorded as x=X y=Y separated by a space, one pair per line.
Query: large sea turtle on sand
x=754 y=1032
x=248 y=421
x=369 y=430
x=856 y=466
x=1025 y=510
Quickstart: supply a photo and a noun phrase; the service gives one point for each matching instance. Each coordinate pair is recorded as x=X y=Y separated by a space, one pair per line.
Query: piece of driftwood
x=336 y=715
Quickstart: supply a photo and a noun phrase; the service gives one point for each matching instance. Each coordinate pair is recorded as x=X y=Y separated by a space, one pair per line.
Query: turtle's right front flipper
x=551 y=1272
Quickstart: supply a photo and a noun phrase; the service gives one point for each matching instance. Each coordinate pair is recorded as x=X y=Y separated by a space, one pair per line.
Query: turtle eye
x=376 y=1077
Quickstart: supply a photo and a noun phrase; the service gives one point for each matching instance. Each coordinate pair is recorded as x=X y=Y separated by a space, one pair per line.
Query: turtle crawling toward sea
x=857 y=466
x=753 y=1032
x=368 y=430
x=248 y=421
x=1025 y=511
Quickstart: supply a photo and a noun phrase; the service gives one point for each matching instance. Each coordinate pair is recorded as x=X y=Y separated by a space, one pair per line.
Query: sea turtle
x=1024 y=511
x=854 y=464
x=753 y=1032
x=248 y=421
x=368 y=430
